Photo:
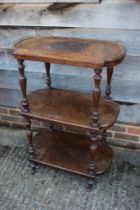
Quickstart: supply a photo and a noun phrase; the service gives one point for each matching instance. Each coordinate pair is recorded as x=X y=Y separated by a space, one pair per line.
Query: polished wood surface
x=70 y=51
x=70 y=152
x=90 y=112
x=70 y=108
x=25 y=105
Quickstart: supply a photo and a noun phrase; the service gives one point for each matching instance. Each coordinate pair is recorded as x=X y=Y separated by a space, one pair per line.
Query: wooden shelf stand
x=87 y=155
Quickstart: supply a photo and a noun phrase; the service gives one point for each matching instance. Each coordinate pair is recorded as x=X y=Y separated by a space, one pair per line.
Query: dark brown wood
x=95 y=125
x=22 y=81
x=29 y=137
x=90 y=53
x=108 y=86
x=96 y=98
x=70 y=108
x=70 y=152
x=92 y=162
x=48 y=77
x=60 y=6
x=76 y=110
x=25 y=106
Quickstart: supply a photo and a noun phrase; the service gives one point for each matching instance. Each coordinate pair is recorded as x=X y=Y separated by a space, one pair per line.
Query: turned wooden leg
x=108 y=86
x=22 y=82
x=24 y=102
x=92 y=163
x=48 y=76
x=25 y=106
x=30 y=149
x=29 y=137
x=95 y=126
x=48 y=83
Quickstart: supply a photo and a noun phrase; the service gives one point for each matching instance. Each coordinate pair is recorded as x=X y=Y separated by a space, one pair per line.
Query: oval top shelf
x=89 y=53
x=70 y=108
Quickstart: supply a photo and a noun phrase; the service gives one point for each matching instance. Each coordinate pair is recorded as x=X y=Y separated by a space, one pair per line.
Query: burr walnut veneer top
x=70 y=51
x=70 y=108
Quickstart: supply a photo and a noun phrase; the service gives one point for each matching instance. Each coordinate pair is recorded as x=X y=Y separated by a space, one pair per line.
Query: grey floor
x=118 y=189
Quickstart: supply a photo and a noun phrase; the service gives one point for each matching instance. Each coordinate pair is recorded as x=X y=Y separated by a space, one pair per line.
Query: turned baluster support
x=30 y=137
x=22 y=82
x=108 y=86
x=92 y=165
x=48 y=76
x=48 y=83
x=25 y=107
x=95 y=125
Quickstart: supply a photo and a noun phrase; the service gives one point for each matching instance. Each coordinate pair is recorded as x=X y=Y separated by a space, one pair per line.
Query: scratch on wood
x=4 y=7
x=61 y=6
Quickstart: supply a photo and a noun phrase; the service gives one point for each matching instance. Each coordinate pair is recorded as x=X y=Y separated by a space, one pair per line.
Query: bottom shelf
x=70 y=152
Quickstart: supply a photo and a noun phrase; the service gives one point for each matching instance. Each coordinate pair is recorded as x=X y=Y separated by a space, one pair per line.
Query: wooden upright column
x=25 y=106
x=108 y=86
x=95 y=126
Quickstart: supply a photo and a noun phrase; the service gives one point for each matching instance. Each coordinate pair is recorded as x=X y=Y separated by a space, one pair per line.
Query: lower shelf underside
x=70 y=152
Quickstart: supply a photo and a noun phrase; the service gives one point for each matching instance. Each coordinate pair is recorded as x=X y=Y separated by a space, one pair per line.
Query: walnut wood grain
x=70 y=108
x=70 y=152
x=90 y=53
x=91 y=112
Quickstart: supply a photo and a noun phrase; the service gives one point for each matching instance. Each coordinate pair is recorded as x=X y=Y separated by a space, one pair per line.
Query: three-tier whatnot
x=85 y=113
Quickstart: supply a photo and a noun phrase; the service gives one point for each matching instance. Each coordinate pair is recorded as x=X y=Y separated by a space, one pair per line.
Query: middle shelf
x=70 y=108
